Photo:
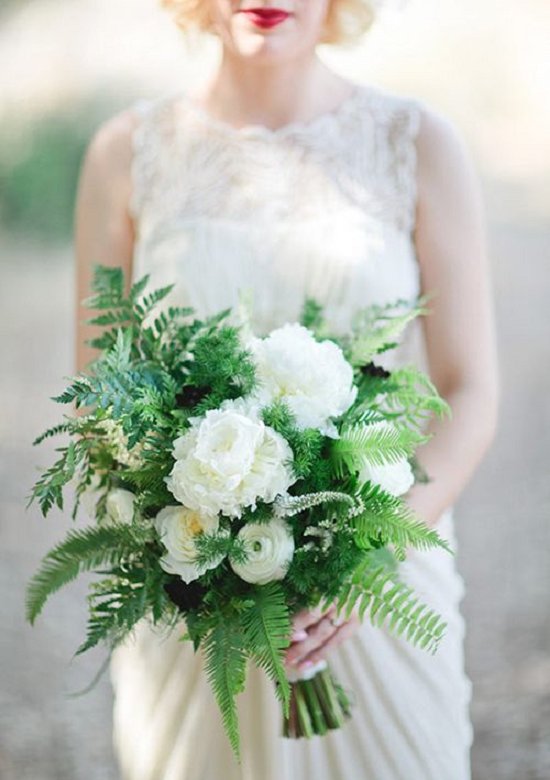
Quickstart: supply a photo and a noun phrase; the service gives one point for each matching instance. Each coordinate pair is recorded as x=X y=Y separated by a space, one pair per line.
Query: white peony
x=120 y=505
x=178 y=528
x=270 y=548
x=228 y=461
x=313 y=378
x=395 y=478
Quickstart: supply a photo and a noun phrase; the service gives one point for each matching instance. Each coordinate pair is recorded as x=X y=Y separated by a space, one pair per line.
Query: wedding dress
x=323 y=209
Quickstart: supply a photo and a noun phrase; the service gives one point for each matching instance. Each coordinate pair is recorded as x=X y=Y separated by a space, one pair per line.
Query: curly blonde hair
x=346 y=22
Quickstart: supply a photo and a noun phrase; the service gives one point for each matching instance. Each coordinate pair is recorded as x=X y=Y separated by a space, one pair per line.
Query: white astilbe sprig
x=323 y=533
x=288 y=506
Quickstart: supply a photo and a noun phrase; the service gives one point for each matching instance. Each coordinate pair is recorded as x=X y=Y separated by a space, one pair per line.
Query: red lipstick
x=266 y=17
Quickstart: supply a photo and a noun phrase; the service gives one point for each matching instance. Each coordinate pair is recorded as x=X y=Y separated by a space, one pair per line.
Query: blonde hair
x=346 y=22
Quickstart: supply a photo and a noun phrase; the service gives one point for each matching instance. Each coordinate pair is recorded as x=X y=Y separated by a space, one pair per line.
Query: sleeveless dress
x=323 y=209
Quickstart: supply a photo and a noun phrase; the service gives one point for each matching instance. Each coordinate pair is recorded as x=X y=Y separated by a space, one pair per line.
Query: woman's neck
x=271 y=96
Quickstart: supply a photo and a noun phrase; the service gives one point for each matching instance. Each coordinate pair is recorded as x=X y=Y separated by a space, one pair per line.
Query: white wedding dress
x=323 y=209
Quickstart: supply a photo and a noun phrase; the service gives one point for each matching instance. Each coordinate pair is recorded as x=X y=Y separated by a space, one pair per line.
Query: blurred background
x=65 y=66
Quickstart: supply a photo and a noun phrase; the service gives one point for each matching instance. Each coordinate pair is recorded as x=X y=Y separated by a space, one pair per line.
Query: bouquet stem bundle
x=317 y=706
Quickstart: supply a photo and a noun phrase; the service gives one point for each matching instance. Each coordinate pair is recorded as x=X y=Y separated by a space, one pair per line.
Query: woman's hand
x=314 y=634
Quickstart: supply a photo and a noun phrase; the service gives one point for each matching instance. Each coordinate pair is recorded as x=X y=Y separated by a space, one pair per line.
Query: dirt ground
x=502 y=525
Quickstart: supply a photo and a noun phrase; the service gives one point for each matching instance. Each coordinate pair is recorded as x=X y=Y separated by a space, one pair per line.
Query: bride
x=281 y=177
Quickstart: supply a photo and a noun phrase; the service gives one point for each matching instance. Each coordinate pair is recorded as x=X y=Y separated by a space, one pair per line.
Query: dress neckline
x=343 y=108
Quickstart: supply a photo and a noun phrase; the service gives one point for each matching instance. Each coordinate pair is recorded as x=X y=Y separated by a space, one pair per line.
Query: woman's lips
x=266 y=17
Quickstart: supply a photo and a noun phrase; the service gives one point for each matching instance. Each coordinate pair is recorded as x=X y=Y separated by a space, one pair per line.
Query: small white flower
x=228 y=461
x=118 y=442
x=120 y=505
x=178 y=528
x=312 y=377
x=395 y=478
x=270 y=548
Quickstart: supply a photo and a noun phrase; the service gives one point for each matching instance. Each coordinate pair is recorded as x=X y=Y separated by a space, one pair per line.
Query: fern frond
x=373 y=445
x=379 y=336
x=81 y=550
x=54 y=431
x=387 y=520
x=48 y=491
x=225 y=666
x=393 y=604
x=266 y=627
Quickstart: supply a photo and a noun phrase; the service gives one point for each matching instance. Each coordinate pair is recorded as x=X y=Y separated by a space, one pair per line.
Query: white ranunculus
x=312 y=377
x=178 y=528
x=270 y=547
x=228 y=461
x=120 y=505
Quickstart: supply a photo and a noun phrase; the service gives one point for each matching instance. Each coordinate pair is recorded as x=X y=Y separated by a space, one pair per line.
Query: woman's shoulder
x=422 y=120
x=114 y=138
x=441 y=151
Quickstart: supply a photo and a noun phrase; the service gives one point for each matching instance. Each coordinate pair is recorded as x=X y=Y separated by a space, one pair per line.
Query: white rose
x=313 y=378
x=270 y=547
x=229 y=461
x=120 y=505
x=178 y=528
x=395 y=478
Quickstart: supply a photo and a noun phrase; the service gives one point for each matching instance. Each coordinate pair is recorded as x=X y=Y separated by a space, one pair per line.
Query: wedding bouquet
x=237 y=480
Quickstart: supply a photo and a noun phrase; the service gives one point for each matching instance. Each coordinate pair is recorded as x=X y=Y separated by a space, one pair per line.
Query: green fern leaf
x=392 y=604
x=388 y=520
x=81 y=550
x=373 y=445
x=266 y=627
x=225 y=666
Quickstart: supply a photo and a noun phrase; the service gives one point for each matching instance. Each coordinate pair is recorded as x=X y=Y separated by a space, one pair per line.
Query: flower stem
x=316 y=705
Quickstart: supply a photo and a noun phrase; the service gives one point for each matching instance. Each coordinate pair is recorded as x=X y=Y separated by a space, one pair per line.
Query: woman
x=281 y=177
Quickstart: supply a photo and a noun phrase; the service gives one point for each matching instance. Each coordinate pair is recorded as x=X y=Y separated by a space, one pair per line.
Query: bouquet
x=235 y=480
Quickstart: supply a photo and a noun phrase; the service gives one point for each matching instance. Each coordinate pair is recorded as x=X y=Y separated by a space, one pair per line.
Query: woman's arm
x=460 y=339
x=104 y=232
x=460 y=333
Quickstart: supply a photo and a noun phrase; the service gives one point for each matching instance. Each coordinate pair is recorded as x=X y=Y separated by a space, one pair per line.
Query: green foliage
x=266 y=627
x=82 y=550
x=225 y=665
x=48 y=490
x=118 y=602
x=379 y=328
x=317 y=573
x=312 y=315
x=221 y=367
x=212 y=547
x=360 y=444
x=308 y=445
x=412 y=397
x=392 y=604
x=386 y=520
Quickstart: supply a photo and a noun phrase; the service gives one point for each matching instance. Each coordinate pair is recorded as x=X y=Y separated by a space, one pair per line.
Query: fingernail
x=299 y=636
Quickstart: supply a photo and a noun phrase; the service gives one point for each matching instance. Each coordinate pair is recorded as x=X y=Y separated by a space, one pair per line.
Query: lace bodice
x=322 y=209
